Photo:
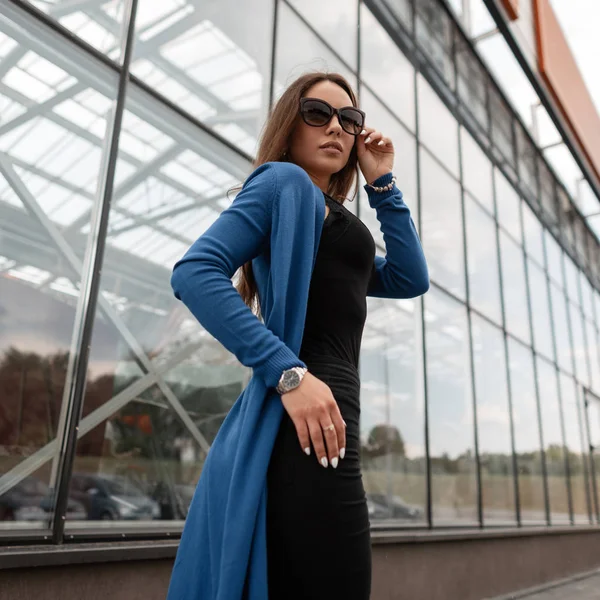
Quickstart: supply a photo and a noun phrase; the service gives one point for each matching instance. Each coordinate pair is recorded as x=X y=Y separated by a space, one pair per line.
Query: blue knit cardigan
x=276 y=222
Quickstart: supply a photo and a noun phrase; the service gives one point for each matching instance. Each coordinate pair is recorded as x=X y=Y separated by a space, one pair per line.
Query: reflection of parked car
x=109 y=498
x=32 y=500
x=383 y=507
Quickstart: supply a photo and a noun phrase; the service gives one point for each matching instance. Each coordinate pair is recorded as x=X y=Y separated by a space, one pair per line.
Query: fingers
x=340 y=429
x=375 y=138
x=316 y=435
x=303 y=435
x=331 y=440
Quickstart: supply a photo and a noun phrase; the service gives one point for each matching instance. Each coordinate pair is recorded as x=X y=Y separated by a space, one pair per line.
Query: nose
x=334 y=125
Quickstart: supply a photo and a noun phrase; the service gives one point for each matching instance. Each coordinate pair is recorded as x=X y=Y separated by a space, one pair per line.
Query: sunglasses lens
x=352 y=121
x=315 y=112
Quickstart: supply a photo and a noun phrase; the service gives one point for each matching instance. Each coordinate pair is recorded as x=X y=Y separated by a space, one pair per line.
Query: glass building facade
x=123 y=124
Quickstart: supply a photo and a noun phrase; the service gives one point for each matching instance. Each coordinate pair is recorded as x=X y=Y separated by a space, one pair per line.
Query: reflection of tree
x=31 y=389
x=383 y=439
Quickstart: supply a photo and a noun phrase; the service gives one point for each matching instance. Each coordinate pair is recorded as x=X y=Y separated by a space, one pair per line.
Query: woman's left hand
x=375 y=154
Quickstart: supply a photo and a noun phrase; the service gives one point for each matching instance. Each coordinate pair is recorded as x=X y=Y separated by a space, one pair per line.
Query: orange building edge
x=557 y=66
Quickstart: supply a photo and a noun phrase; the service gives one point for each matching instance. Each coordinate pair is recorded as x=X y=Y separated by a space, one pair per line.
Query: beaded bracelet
x=385 y=188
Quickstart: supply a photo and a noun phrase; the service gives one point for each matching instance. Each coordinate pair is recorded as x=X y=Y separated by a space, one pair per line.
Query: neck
x=321 y=181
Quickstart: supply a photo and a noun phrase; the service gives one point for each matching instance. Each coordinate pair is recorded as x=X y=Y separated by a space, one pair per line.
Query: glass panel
x=405 y=160
x=141 y=463
x=402 y=9
x=442 y=225
x=472 y=84
x=594 y=355
x=508 y=205
x=527 y=164
x=454 y=486
x=576 y=448
x=438 y=129
x=586 y=297
x=527 y=435
x=554 y=447
x=533 y=231
x=56 y=108
x=335 y=21
x=476 y=170
x=493 y=423
x=386 y=70
x=540 y=311
x=434 y=37
x=502 y=135
x=212 y=60
x=158 y=385
x=101 y=23
x=548 y=202
x=561 y=328
x=482 y=260
x=300 y=51
x=514 y=288
x=392 y=413
x=579 y=347
x=554 y=259
x=571 y=279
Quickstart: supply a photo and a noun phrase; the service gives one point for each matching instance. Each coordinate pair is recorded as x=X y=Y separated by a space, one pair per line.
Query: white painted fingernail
x=380 y=143
x=334 y=462
x=363 y=132
x=307 y=451
x=344 y=422
x=368 y=140
x=324 y=462
x=342 y=453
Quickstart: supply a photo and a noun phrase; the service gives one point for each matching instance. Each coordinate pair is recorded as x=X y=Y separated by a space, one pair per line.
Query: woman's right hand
x=312 y=408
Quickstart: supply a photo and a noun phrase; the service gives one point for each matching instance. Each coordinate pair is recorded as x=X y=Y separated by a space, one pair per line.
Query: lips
x=332 y=146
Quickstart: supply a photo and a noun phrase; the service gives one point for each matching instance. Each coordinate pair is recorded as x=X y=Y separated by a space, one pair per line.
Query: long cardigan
x=275 y=221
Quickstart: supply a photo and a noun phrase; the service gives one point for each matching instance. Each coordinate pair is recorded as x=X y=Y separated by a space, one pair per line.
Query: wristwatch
x=290 y=379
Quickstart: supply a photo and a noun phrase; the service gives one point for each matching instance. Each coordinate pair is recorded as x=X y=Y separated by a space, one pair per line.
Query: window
x=451 y=436
x=386 y=70
x=514 y=288
x=540 y=311
x=554 y=447
x=476 y=171
x=576 y=448
x=392 y=413
x=561 y=328
x=482 y=260
x=527 y=435
x=438 y=129
x=493 y=423
x=533 y=233
x=405 y=161
x=211 y=60
x=56 y=106
x=442 y=225
x=335 y=21
x=508 y=206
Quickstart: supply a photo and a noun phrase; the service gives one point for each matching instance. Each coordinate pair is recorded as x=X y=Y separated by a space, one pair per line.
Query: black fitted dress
x=318 y=535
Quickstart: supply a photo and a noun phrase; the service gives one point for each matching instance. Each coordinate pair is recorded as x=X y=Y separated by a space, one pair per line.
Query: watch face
x=291 y=379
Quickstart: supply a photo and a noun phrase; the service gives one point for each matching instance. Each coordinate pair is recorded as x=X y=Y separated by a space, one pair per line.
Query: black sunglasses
x=317 y=113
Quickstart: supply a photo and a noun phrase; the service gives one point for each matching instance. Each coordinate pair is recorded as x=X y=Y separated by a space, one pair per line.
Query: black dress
x=318 y=534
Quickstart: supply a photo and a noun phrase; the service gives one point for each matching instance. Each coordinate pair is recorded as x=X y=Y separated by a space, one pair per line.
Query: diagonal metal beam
x=39 y=109
x=76 y=265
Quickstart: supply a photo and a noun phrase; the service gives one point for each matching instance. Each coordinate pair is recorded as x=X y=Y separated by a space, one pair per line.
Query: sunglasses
x=316 y=113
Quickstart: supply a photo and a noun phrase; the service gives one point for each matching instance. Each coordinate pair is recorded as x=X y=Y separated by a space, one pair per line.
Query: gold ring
x=329 y=427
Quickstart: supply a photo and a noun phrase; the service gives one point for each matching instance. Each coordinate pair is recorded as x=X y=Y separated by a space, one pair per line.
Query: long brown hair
x=274 y=144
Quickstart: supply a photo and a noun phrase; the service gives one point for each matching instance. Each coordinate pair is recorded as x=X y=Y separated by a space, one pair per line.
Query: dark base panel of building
x=428 y=566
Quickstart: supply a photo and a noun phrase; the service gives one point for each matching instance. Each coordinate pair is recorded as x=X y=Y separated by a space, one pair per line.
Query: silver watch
x=290 y=379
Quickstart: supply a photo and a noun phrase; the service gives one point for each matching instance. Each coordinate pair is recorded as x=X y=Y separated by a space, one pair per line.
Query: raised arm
x=403 y=272
x=202 y=279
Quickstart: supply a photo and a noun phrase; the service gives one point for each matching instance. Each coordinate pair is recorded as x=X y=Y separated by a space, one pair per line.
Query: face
x=322 y=151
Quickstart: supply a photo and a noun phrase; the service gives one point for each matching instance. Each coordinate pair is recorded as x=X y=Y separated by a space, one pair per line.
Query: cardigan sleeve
x=403 y=272
x=202 y=279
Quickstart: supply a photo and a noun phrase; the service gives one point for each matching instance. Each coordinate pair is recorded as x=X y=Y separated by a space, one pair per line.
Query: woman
x=280 y=510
